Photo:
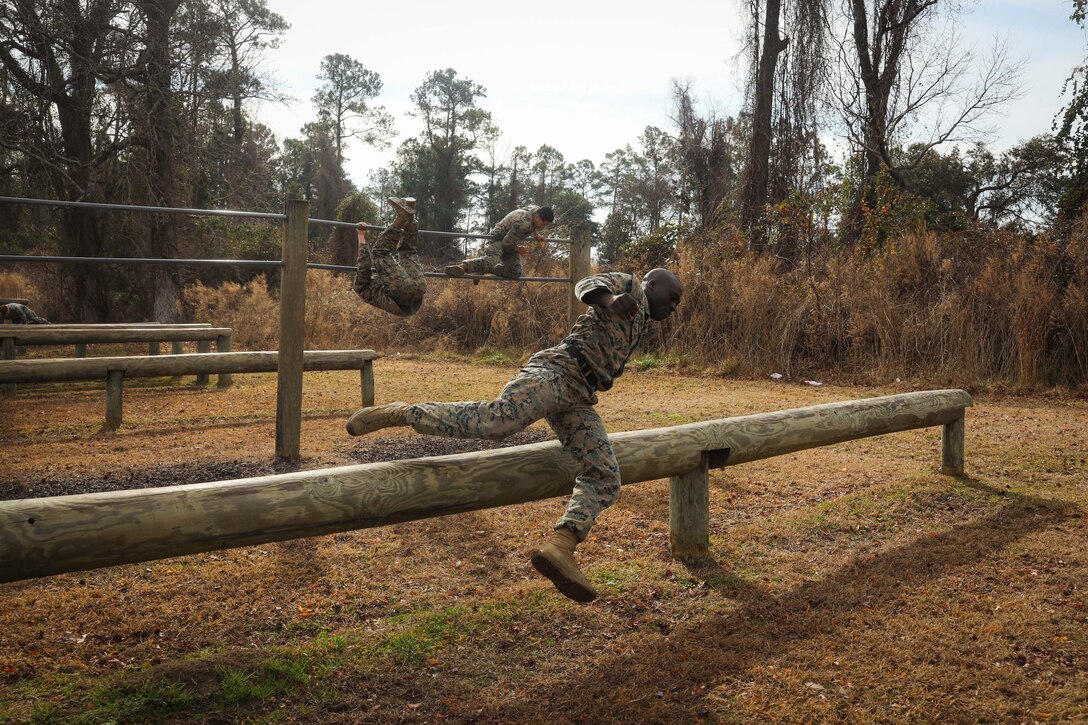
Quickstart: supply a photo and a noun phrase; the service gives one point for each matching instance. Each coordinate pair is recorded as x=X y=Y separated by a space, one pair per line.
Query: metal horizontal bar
x=443 y=275
x=228 y=212
x=144 y=260
x=241 y=263
x=134 y=207
x=455 y=235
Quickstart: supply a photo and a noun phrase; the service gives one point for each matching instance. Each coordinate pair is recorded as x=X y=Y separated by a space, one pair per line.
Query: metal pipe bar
x=228 y=212
x=134 y=207
x=455 y=235
x=144 y=260
x=443 y=275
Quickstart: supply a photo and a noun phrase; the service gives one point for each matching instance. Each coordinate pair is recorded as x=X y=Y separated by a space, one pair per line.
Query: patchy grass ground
x=849 y=583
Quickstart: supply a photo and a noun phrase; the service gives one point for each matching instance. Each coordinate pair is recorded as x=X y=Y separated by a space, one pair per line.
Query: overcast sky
x=587 y=77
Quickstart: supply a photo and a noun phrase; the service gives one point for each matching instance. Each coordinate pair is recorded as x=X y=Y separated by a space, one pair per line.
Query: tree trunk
x=161 y=169
x=754 y=193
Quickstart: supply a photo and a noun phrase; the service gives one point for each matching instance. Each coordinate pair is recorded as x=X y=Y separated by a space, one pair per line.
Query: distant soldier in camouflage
x=389 y=275
x=560 y=385
x=20 y=315
x=501 y=256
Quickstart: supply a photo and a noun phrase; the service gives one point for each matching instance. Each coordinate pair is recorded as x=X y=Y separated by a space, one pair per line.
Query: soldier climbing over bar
x=389 y=275
x=501 y=256
x=559 y=384
x=20 y=314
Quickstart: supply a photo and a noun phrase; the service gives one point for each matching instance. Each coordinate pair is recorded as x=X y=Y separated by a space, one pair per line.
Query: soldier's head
x=542 y=217
x=663 y=290
x=5 y=312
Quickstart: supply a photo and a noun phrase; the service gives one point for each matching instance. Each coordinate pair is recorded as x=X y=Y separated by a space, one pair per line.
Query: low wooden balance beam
x=44 y=536
x=14 y=336
x=115 y=369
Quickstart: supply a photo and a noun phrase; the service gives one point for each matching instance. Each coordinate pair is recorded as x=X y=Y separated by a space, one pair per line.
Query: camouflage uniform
x=389 y=275
x=22 y=315
x=559 y=384
x=514 y=227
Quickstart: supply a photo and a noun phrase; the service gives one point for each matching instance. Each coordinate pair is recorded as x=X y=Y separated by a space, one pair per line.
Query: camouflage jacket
x=20 y=314
x=601 y=343
x=515 y=226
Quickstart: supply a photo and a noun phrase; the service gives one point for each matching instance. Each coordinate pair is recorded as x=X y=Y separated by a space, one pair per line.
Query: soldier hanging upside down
x=389 y=275
x=500 y=256
x=20 y=315
x=560 y=385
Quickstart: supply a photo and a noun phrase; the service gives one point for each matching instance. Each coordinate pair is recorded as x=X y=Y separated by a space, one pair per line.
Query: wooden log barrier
x=62 y=335
x=40 y=537
x=115 y=369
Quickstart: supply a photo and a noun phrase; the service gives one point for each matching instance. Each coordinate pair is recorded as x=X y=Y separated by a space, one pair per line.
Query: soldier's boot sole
x=405 y=209
x=375 y=417
x=454 y=270
x=560 y=567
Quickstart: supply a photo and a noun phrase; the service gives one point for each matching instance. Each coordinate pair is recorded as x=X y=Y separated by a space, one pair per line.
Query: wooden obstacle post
x=115 y=381
x=579 y=267
x=177 y=347
x=7 y=352
x=203 y=346
x=689 y=512
x=81 y=349
x=223 y=344
x=154 y=348
x=952 y=447
x=366 y=382
x=292 y=339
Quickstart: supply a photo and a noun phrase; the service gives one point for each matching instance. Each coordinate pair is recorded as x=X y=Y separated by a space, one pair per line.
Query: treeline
x=155 y=102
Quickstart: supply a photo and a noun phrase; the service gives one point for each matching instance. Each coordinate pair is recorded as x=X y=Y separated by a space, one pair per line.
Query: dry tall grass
x=966 y=309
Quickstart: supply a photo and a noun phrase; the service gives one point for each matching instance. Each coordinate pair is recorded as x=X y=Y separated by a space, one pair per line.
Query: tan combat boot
x=405 y=209
x=376 y=417
x=454 y=270
x=555 y=560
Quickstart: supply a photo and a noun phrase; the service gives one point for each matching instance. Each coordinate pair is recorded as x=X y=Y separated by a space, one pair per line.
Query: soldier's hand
x=622 y=306
x=539 y=236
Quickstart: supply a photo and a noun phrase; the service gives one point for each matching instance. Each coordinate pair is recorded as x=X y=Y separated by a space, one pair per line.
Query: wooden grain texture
x=689 y=511
x=48 y=370
x=223 y=344
x=292 y=333
x=49 y=335
x=366 y=383
x=952 y=454
x=115 y=380
x=46 y=536
x=579 y=268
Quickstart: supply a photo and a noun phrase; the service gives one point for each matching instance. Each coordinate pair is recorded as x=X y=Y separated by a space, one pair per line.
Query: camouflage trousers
x=495 y=254
x=539 y=391
x=388 y=273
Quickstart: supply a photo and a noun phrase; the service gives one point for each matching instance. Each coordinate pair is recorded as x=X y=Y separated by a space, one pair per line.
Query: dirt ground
x=848 y=583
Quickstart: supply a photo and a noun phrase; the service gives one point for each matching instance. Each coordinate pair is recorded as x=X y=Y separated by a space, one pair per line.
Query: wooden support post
x=177 y=347
x=579 y=267
x=154 y=348
x=81 y=349
x=222 y=344
x=366 y=382
x=952 y=448
x=292 y=319
x=114 y=385
x=203 y=346
x=7 y=352
x=689 y=512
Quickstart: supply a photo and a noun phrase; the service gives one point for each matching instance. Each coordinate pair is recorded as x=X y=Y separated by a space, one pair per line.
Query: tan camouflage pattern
x=546 y=390
x=389 y=275
x=514 y=227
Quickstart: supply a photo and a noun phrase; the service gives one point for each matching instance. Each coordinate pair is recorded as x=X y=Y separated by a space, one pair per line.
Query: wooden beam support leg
x=952 y=448
x=366 y=382
x=689 y=512
x=177 y=347
x=154 y=348
x=114 y=385
x=7 y=352
x=223 y=344
x=81 y=349
x=292 y=332
x=203 y=346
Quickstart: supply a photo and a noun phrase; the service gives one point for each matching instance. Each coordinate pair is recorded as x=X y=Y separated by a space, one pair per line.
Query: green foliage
x=654 y=250
x=149 y=701
x=273 y=677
